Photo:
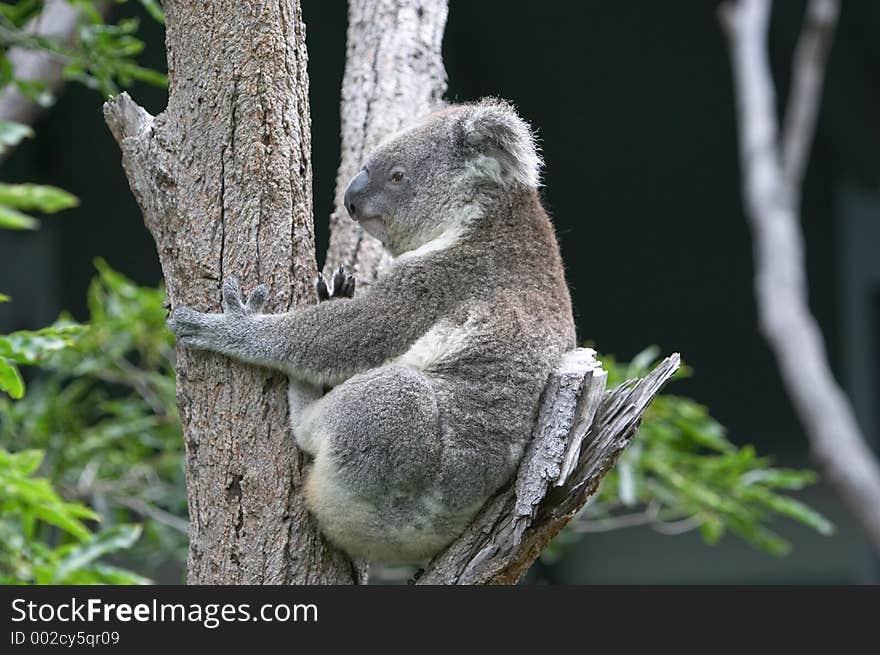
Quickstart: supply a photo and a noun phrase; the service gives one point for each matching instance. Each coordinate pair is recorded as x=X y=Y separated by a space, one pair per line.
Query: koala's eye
x=397 y=177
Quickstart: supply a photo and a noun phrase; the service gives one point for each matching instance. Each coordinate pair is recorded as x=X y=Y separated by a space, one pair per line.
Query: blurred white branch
x=772 y=169
x=59 y=20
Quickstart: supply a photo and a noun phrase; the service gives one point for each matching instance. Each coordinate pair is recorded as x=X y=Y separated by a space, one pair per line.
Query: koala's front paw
x=341 y=285
x=193 y=329
x=214 y=331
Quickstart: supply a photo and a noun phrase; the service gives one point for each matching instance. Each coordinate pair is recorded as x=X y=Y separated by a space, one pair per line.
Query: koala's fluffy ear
x=501 y=145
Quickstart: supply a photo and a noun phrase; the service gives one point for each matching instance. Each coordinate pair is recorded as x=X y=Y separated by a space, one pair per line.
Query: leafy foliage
x=43 y=538
x=104 y=412
x=28 y=506
x=102 y=56
x=31 y=347
x=682 y=473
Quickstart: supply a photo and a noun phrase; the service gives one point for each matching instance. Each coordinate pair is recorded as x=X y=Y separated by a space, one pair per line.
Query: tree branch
x=771 y=174
x=223 y=178
x=580 y=432
x=805 y=95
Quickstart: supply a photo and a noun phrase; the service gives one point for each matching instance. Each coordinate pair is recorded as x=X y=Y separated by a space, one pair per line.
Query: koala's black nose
x=352 y=193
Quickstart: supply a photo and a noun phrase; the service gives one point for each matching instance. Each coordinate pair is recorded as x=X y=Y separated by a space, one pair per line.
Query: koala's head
x=439 y=174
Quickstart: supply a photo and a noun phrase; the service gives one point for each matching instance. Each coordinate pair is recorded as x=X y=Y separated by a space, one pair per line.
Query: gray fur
x=438 y=368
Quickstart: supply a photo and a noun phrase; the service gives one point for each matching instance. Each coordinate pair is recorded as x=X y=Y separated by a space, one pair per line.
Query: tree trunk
x=393 y=73
x=223 y=177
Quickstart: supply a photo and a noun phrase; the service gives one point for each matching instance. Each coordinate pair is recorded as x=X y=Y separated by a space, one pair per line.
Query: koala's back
x=414 y=447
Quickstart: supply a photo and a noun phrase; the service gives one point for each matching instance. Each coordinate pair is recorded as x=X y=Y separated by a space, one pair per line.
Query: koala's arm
x=322 y=344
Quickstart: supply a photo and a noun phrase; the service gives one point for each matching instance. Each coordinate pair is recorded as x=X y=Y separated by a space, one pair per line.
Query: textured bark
x=772 y=169
x=223 y=178
x=580 y=432
x=393 y=73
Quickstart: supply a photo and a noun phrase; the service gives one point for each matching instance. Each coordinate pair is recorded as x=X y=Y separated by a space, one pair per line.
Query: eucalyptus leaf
x=48 y=199
x=12 y=219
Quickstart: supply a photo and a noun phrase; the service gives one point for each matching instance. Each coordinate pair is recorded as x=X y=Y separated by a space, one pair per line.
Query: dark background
x=636 y=118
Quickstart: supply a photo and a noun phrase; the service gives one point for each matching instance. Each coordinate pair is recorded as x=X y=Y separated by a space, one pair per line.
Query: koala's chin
x=375 y=227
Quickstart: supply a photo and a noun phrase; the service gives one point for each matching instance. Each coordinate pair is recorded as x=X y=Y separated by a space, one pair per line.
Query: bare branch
x=770 y=197
x=151 y=511
x=125 y=118
x=805 y=94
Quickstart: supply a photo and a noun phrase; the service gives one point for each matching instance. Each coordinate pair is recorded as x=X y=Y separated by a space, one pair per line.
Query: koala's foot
x=341 y=285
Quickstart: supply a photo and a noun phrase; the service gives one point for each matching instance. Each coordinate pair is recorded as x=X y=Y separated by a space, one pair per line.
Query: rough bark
x=772 y=170
x=393 y=73
x=580 y=432
x=223 y=178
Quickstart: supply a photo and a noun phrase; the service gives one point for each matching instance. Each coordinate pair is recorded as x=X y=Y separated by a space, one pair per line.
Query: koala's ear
x=500 y=145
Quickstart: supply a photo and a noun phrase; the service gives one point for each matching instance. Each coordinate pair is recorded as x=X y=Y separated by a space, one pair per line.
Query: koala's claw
x=257 y=298
x=231 y=301
x=232 y=298
x=341 y=285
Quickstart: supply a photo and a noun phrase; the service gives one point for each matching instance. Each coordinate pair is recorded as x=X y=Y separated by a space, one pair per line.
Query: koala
x=435 y=372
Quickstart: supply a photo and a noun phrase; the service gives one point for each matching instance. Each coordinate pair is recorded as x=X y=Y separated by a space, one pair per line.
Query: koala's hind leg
x=301 y=400
x=374 y=482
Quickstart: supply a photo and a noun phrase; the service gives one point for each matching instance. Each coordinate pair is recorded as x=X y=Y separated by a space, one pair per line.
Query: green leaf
x=780 y=478
x=793 y=509
x=4 y=298
x=10 y=379
x=107 y=541
x=11 y=134
x=12 y=219
x=58 y=517
x=26 y=462
x=154 y=9
x=6 y=71
x=115 y=575
x=712 y=530
x=48 y=199
x=36 y=91
x=31 y=347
